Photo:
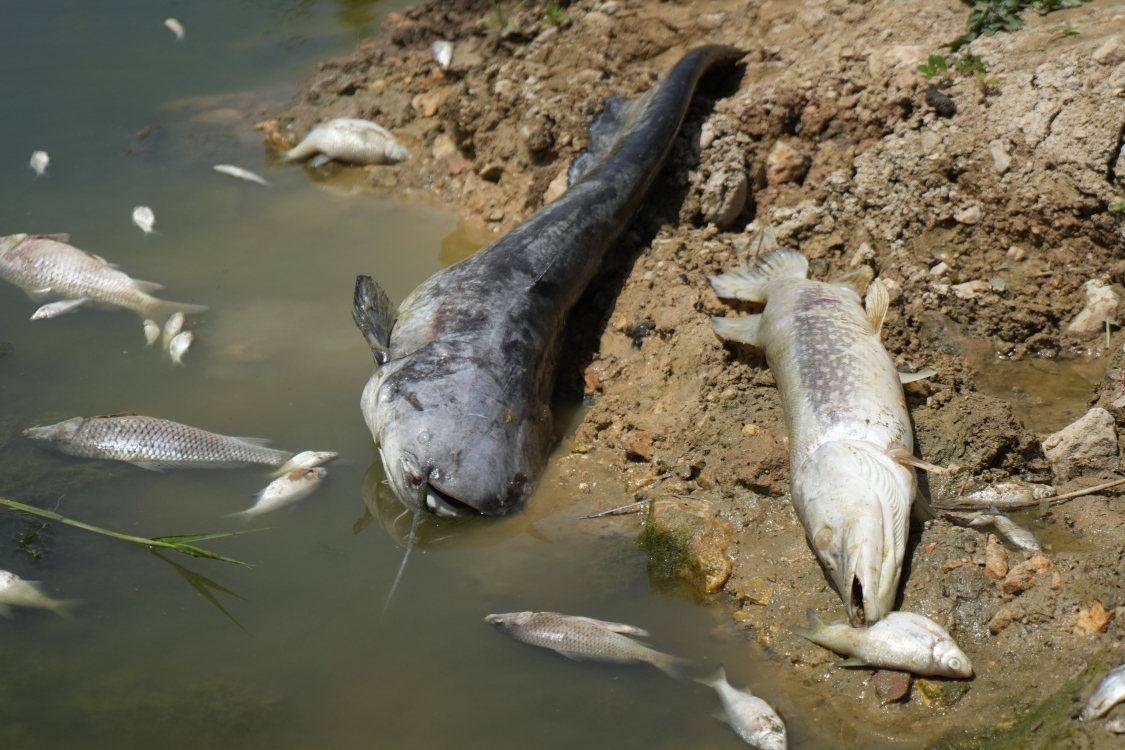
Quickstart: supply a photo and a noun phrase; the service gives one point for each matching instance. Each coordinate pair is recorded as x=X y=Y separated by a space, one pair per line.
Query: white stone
x=970 y=215
x=971 y=289
x=1082 y=443
x=1110 y=53
x=1101 y=301
x=1001 y=159
x=941 y=269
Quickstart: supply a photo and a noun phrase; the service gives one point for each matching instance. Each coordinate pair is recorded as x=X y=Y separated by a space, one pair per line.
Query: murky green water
x=293 y=652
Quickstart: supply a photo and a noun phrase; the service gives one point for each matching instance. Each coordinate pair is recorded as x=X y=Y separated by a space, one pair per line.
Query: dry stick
x=1056 y=500
x=611 y=511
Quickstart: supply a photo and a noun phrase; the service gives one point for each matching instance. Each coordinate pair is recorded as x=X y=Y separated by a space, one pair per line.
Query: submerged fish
x=44 y=267
x=850 y=441
x=55 y=309
x=1110 y=692
x=459 y=403
x=152 y=443
x=240 y=173
x=307 y=460
x=349 y=140
x=152 y=331
x=901 y=640
x=39 y=162
x=289 y=488
x=581 y=638
x=1000 y=495
x=179 y=345
x=443 y=53
x=16 y=592
x=752 y=718
x=1018 y=535
x=144 y=218
x=175 y=26
x=172 y=328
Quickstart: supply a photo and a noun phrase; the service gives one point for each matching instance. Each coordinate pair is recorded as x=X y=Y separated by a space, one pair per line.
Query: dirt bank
x=991 y=223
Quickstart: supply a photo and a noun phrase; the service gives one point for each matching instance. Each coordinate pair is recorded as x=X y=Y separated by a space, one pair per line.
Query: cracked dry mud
x=992 y=228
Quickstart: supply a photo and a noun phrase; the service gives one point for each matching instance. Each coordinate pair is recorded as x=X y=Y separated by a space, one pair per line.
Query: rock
x=1092 y=620
x=971 y=215
x=492 y=172
x=1101 y=301
x=706 y=136
x=996 y=559
x=427 y=104
x=971 y=289
x=444 y=147
x=942 y=694
x=556 y=188
x=951 y=564
x=755 y=591
x=784 y=164
x=942 y=103
x=684 y=539
x=1001 y=159
x=891 y=685
x=751 y=429
x=637 y=443
x=1002 y=619
x=496 y=215
x=941 y=269
x=1081 y=444
x=1111 y=52
x=537 y=134
x=763 y=461
x=505 y=90
x=1023 y=576
x=930 y=142
x=724 y=198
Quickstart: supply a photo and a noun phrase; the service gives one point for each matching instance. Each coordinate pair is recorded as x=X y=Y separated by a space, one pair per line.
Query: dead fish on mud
x=152 y=443
x=1021 y=537
x=901 y=640
x=291 y=487
x=45 y=266
x=144 y=218
x=176 y=27
x=240 y=173
x=459 y=403
x=1110 y=692
x=351 y=141
x=999 y=495
x=752 y=718
x=179 y=345
x=850 y=441
x=39 y=162
x=581 y=638
x=16 y=592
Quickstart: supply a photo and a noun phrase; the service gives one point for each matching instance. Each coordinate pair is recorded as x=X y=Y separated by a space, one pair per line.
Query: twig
x=611 y=511
x=1051 y=501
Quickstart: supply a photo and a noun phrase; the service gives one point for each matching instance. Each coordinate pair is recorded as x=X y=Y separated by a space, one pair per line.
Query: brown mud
x=992 y=227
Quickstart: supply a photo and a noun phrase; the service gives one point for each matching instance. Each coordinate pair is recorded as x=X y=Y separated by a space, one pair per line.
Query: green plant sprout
x=555 y=14
x=990 y=16
x=499 y=17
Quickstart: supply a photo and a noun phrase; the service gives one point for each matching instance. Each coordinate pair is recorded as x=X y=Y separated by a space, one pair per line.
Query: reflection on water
x=1045 y=394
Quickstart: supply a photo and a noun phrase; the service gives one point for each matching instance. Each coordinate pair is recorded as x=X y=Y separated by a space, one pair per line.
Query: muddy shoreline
x=993 y=228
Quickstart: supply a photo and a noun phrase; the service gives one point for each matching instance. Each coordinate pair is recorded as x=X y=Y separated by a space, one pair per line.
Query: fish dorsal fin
x=877 y=301
x=857 y=280
x=60 y=237
x=148 y=287
x=764 y=242
x=617 y=627
x=744 y=330
x=910 y=377
x=750 y=283
x=374 y=315
x=115 y=416
x=812 y=632
x=603 y=133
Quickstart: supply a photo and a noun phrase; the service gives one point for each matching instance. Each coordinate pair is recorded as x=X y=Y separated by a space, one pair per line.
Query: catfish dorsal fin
x=877 y=301
x=602 y=134
x=374 y=315
x=750 y=283
x=857 y=280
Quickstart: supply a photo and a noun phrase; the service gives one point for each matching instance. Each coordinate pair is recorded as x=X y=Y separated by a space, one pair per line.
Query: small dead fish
x=350 y=140
x=1001 y=495
x=1117 y=726
x=901 y=640
x=307 y=460
x=39 y=162
x=1110 y=692
x=152 y=332
x=240 y=173
x=581 y=638
x=172 y=328
x=752 y=718
x=289 y=488
x=144 y=218
x=16 y=592
x=179 y=345
x=443 y=53
x=62 y=307
x=1020 y=536
x=176 y=27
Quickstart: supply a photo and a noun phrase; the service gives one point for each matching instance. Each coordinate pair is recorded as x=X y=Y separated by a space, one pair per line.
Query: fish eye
x=823 y=538
x=955 y=663
x=424 y=436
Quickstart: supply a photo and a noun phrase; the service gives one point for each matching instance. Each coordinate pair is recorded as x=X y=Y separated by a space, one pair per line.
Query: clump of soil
x=986 y=208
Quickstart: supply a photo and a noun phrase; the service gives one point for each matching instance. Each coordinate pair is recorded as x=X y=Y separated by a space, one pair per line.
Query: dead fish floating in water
x=39 y=162
x=350 y=140
x=1021 y=537
x=55 y=309
x=851 y=447
x=443 y=53
x=16 y=592
x=752 y=718
x=581 y=638
x=1109 y=692
x=176 y=27
x=460 y=401
x=179 y=345
x=901 y=640
x=144 y=218
x=172 y=328
x=152 y=331
x=291 y=487
x=240 y=173
x=306 y=460
x=155 y=444
x=45 y=266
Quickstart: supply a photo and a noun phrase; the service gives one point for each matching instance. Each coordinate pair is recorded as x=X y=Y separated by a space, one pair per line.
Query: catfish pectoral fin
x=374 y=315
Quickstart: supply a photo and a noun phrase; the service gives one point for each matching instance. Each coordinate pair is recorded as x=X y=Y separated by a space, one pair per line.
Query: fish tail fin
x=857 y=280
x=167 y=309
x=815 y=626
x=713 y=679
x=676 y=667
x=64 y=608
x=300 y=151
x=374 y=315
x=750 y=283
x=744 y=330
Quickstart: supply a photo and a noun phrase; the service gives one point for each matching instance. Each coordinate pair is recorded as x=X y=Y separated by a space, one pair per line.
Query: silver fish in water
x=901 y=640
x=152 y=331
x=307 y=460
x=585 y=638
x=144 y=218
x=1021 y=537
x=240 y=173
x=55 y=309
x=152 y=443
x=16 y=592
x=172 y=327
x=39 y=162
x=1001 y=494
x=45 y=267
x=179 y=345
x=289 y=488
x=176 y=27
x=752 y=718
x=350 y=140
x=1110 y=692
x=850 y=441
